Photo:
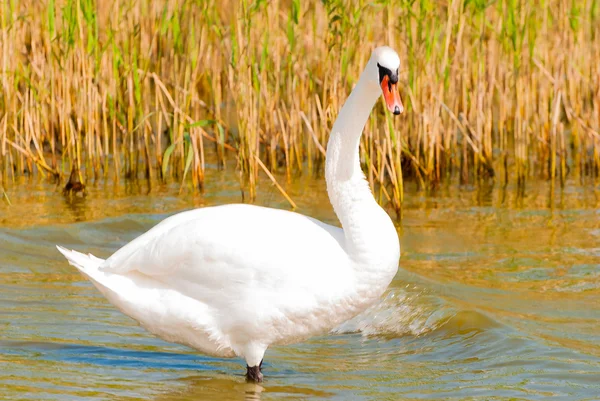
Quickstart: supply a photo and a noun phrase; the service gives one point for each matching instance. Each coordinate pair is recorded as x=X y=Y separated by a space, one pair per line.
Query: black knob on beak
x=397 y=110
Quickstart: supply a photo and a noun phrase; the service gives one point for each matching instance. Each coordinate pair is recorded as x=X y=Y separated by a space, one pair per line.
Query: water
x=498 y=297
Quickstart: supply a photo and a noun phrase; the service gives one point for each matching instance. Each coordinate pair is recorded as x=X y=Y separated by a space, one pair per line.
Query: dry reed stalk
x=133 y=88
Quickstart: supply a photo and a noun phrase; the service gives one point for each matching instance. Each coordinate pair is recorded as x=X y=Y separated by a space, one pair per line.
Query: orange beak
x=391 y=96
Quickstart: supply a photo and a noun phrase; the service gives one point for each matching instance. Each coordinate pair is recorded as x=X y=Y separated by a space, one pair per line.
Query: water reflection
x=76 y=204
x=222 y=387
x=485 y=193
x=211 y=388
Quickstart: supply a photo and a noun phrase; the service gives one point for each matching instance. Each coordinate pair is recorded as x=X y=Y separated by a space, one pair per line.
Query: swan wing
x=220 y=246
x=261 y=274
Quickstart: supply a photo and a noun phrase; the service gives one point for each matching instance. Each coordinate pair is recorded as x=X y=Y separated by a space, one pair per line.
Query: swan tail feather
x=84 y=263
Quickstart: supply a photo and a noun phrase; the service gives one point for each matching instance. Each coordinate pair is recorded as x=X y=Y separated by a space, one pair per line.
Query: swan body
x=232 y=280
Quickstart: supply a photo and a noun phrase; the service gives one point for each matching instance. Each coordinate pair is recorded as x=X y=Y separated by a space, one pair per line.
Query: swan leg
x=254 y=354
x=254 y=374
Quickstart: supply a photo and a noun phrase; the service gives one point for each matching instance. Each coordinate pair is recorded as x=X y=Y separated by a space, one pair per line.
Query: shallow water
x=497 y=297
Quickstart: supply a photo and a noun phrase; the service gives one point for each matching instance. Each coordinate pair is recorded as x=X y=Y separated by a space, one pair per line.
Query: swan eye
x=383 y=72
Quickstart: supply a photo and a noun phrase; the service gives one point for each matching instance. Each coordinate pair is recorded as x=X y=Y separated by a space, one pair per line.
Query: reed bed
x=506 y=90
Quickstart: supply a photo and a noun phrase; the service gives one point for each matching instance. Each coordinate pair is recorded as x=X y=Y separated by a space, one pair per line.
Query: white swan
x=234 y=279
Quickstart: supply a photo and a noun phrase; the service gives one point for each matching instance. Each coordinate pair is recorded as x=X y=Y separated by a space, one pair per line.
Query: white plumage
x=234 y=279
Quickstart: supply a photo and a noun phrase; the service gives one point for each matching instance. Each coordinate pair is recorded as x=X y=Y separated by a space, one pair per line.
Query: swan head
x=383 y=68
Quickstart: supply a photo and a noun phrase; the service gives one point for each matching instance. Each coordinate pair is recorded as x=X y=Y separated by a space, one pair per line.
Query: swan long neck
x=342 y=161
x=348 y=191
